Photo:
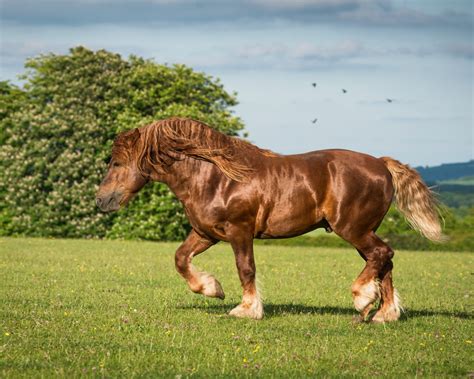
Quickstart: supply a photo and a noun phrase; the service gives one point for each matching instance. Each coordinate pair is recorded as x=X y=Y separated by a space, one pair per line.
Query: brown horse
x=234 y=191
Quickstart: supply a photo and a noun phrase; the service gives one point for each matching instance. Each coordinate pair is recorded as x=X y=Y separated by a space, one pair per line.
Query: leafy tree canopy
x=56 y=135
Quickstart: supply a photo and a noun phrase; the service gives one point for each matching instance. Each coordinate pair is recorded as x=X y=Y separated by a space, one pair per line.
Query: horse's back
x=336 y=165
x=340 y=165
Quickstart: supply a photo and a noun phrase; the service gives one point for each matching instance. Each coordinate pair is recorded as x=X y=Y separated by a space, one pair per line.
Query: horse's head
x=123 y=179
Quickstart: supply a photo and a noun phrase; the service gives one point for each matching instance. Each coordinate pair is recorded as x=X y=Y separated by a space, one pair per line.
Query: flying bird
x=389 y=100
x=314 y=85
x=314 y=121
x=344 y=90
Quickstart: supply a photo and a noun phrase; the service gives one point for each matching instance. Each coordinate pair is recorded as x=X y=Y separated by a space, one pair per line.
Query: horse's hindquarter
x=302 y=192
x=359 y=194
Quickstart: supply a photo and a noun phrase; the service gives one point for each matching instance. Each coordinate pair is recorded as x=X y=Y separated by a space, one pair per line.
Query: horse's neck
x=189 y=176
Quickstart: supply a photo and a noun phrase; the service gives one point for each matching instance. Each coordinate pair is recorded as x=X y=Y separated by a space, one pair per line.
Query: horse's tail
x=415 y=200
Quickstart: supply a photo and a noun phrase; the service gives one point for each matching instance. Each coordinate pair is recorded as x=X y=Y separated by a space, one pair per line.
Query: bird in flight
x=314 y=85
x=314 y=121
x=344 y=90
x=389 y=100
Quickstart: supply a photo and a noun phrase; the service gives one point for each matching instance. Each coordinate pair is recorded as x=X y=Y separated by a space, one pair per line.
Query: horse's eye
x=115 y=164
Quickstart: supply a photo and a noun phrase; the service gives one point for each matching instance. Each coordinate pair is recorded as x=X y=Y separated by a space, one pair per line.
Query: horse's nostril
x=98 y=201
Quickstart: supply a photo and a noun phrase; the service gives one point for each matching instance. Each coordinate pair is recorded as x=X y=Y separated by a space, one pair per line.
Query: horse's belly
x=289 y=221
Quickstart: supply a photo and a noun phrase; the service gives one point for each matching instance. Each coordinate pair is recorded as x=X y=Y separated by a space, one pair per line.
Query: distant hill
x=464 y=181
x=454 y=182
x=447 y=171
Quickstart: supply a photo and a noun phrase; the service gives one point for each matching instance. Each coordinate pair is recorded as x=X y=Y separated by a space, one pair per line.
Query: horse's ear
x=134 y=136
x=129 y=139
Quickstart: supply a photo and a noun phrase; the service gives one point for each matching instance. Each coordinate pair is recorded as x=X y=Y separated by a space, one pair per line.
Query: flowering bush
x=56 y=135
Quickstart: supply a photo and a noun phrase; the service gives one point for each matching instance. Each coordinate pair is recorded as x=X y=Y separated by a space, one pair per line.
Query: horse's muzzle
x=109 y=203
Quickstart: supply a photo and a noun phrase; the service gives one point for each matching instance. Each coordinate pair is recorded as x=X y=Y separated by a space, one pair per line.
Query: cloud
x=454 y=50
x=301 y=55
x=305 y=55
x=141 y=12
x=344 y=55
x=460 y=50
x=292 y=4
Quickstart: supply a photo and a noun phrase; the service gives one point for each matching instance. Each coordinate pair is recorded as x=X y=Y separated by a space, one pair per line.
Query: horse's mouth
x=114 y=201
x=126 y=197
x=109 y=203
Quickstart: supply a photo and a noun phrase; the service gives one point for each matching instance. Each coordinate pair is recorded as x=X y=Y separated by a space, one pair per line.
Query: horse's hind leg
x=390 y=306
x=199 y=282
x=374 y=281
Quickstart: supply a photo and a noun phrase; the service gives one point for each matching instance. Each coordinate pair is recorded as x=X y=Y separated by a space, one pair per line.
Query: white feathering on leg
x=397 y=303
x=366 y=294
x=251 y=306
x=390 y=312
x=205 y=284
x=259 y=300
x=211 y=286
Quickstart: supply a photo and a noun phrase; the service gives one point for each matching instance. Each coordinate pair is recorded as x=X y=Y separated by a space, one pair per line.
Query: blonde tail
x=415 y=200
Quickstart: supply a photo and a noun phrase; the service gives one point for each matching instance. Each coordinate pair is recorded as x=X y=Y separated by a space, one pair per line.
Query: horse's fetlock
x=195 y=286
x=355 y=288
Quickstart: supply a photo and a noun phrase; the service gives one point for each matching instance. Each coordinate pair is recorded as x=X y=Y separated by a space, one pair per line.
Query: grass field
x=119 y=309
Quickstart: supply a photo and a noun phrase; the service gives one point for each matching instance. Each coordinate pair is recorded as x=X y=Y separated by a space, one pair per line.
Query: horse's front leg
x=390 y=308
x=198 y=282
x=251 y=306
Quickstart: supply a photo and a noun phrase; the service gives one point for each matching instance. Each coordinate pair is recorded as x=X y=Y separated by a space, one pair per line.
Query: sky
x=418 y=53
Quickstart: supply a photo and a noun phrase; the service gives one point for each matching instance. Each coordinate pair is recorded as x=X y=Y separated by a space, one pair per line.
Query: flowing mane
x=166 y=141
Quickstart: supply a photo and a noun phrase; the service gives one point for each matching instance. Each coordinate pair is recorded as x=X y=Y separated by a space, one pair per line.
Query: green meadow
x=82 y=308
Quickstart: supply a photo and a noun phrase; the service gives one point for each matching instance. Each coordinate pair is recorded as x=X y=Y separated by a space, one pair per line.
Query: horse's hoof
x=211 y=287
x=389 y=311
x=378 y=318
x=253 y=311
x=358 y=319
x=387 y=316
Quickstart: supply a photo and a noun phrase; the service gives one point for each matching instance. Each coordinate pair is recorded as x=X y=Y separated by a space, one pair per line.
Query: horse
x=234 y=191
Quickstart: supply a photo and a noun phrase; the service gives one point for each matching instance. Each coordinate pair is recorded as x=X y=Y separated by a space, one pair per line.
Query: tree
x=56 y=134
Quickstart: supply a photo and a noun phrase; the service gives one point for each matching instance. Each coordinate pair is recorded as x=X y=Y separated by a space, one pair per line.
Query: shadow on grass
x=411 y=313
x=278 y=310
